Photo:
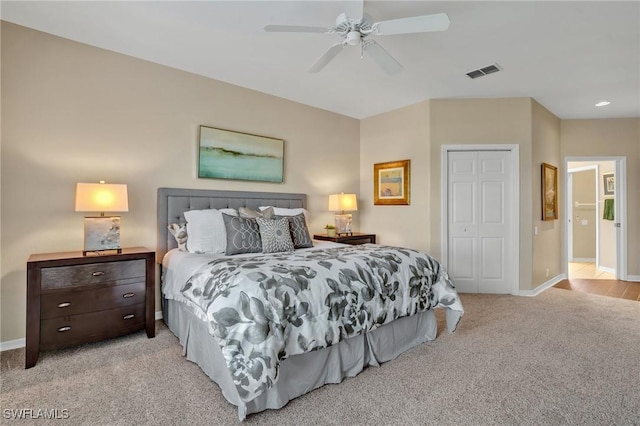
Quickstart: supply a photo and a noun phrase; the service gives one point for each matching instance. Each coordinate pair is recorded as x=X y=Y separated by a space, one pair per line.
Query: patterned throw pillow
x=275 y=235
x=243 y=235
x=179 y=232
x=299 y=231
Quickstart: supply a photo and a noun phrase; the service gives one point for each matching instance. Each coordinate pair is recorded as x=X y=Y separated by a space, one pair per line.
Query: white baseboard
x=20 y=343
x=12 y=344
x=583 y=259
x=634 y=278
x=542 y=287
x=607 y=269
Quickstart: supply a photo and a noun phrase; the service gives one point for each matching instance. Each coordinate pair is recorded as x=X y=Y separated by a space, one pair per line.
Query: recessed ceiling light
x=603 y=103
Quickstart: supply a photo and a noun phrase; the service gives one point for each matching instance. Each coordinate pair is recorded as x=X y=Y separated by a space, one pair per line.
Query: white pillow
x=206 y=230
x=279 y=211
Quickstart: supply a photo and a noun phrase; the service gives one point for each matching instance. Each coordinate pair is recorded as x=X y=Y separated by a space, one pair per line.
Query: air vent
x=483 y=71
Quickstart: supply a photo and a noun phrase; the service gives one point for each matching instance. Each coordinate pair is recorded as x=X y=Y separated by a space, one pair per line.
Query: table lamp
x=101 y=232
x=341 y=203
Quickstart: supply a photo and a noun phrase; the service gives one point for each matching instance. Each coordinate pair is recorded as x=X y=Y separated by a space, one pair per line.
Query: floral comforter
x=265 y=308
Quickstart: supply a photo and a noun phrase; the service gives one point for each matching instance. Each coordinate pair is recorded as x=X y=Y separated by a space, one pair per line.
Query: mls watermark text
x=35 y=413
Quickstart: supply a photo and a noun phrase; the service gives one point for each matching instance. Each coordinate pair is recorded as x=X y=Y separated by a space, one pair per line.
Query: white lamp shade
x=101 y=197
x=343 y=203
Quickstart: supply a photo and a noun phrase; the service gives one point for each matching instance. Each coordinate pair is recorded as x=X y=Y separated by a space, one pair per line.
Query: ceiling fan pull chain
x=361 y=51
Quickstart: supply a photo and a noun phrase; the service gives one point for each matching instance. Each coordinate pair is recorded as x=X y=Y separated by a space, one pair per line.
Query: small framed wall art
x=391 y=183
x=224 y=154
x=549 y=192
x=609 y=182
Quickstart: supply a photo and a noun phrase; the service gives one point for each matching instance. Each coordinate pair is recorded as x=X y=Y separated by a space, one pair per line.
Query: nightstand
x=74 y=299
x=354 y=238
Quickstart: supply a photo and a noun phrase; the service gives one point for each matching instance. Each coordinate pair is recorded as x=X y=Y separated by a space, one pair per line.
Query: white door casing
x=479 y=218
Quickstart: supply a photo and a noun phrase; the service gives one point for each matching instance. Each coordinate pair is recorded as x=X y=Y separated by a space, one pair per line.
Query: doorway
x=591 y=236
x=595 y=237
x=480 y=206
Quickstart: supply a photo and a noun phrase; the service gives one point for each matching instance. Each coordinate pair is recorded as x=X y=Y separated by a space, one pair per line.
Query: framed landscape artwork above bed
x=225 y=154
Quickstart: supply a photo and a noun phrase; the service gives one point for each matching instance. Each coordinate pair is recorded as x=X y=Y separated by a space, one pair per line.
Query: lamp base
x=343 y=223
x=101 y=234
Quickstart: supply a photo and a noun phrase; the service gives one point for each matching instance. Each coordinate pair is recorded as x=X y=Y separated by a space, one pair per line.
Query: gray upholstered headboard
x=173 y=202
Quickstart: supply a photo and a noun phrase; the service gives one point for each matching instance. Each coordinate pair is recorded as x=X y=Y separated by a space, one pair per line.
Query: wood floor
x=586 y=278
x=588 y=270
x=610 y=288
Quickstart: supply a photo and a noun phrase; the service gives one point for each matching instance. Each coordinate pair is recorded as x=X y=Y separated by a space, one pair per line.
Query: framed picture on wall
x=609 y=182
x=391 y=183
x=224 y=154
x=549 y=192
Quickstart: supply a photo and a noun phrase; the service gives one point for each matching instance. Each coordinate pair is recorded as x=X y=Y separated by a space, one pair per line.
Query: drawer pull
x=97 y=273
x=128 y=295
x=64 y=304
x=126 y=317
x=63 y=329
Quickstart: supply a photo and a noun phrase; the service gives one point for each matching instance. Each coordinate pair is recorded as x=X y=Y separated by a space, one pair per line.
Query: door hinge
x=617 y=225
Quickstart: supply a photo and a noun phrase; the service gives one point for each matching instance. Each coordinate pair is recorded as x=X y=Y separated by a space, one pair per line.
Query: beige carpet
x=559 y=358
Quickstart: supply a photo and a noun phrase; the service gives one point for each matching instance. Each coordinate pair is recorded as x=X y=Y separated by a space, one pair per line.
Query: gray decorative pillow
x=299 y=231
x=179 y=232
x=275 y=235
x=243 y=235
x=253 y=214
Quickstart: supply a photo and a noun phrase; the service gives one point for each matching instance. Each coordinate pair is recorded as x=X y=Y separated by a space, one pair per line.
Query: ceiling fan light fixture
x=353 y=38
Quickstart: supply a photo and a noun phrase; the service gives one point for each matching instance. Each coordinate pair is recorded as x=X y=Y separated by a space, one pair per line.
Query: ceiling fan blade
x=326 y=57
x=415 y=24
x=296 y=29
x=382 y=57
x=354 y=9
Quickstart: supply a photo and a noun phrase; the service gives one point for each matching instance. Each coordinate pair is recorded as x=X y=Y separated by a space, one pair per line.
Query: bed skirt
x=299 y=374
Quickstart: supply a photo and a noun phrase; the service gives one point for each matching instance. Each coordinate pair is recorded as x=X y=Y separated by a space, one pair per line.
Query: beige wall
x=484 y=121
x=547 y=262
x=584 y=217
x=74 y=113
x=397 y=135
x=611 y=137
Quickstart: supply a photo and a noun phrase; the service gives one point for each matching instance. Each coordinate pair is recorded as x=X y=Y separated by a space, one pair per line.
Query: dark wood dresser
x=354 y=238
x=74 y=299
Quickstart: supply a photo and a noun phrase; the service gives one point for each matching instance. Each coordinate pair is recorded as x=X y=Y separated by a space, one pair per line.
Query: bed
x=259 y=364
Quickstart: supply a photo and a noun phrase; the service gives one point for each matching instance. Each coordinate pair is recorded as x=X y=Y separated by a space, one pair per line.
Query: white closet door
x=480 y=186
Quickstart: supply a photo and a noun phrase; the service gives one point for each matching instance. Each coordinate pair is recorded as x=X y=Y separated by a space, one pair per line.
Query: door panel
x=462 y=221
x=462 y=193
x=480 y=221
x=463 y=263
x=492 y=262
x=492 y=199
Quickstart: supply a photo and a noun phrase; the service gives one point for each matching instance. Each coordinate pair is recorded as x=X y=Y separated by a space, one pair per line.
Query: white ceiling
x=566 y=55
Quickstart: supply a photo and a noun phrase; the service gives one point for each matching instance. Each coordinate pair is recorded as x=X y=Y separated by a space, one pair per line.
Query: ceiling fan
x=355 y=26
